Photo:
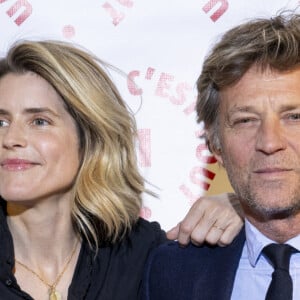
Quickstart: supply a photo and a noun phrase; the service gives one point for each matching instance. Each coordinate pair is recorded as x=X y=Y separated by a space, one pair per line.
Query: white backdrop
x=160 y=46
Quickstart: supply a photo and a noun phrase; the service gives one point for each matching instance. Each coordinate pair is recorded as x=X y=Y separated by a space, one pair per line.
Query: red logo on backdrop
x=223 y=6
x=145 y=212
x=68 y=31
x=144 y=152
x=116 y=14
x=177 y=94
x=165 y=87
x=144 y=147
x=199 y=175
x=22 y=8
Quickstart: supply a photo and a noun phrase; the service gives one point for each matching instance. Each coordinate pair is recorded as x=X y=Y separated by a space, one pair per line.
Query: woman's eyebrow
x=31 y=110
x=35 y=110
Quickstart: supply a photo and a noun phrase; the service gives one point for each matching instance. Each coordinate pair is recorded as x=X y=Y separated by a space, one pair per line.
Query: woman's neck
x=41 y=232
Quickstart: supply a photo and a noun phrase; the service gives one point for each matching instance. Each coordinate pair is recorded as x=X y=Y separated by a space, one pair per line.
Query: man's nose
x=270 y=137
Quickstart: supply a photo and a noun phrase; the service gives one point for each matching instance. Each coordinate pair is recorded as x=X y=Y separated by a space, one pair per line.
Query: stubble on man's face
x=260 y=139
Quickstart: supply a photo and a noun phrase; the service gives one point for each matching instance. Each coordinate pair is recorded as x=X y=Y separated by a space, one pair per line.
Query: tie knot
x=279 y=255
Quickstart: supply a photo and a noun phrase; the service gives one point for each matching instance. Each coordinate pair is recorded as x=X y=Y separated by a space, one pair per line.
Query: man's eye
x=243 y=121
x=246 y=120
x=294 y=116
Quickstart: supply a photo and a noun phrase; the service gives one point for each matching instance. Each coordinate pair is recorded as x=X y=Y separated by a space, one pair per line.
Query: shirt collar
x=256 y=241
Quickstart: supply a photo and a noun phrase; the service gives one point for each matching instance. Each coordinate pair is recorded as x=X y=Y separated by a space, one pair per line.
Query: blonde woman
x=69 y=184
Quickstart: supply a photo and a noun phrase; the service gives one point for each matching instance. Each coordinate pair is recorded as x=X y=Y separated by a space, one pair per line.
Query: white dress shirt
x=254 y=272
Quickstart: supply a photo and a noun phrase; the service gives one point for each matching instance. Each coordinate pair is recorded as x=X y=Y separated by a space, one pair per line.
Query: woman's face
x=39 y=145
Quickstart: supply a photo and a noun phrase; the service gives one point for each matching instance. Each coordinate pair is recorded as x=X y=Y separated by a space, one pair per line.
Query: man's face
x=259 y=129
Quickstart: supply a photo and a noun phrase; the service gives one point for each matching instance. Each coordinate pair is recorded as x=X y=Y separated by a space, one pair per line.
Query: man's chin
x=272 y=213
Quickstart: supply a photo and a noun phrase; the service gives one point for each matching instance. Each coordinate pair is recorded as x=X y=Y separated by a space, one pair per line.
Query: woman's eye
x=4 y=123
x=40 y=122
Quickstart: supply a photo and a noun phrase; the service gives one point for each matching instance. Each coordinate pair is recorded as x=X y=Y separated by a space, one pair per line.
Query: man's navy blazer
x=192 y=273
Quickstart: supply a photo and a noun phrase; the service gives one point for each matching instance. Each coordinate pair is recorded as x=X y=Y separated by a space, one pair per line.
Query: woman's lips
x=17 y=164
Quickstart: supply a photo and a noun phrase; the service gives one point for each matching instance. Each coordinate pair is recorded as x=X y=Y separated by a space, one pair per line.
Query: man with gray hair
x=249 y=102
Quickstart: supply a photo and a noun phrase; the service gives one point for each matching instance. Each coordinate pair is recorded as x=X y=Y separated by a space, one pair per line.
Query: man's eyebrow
x=237 y=109
x=287 y=107
x=248 y=108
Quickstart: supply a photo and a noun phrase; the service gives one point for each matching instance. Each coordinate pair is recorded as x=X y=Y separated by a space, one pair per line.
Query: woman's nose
x=13 y=136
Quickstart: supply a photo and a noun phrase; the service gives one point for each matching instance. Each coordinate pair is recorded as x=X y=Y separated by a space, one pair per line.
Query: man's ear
x=216 y=151
x=218 y=155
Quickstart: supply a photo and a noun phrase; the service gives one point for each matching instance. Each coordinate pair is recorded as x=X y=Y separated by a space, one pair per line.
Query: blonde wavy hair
x=108 y=186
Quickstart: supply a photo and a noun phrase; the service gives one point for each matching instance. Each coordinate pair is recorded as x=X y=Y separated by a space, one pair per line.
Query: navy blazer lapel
x=225 y=260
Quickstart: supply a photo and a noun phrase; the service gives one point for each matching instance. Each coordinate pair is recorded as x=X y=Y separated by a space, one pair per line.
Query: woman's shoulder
x=142 y=237
x=147 y=232
x=122 y=263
